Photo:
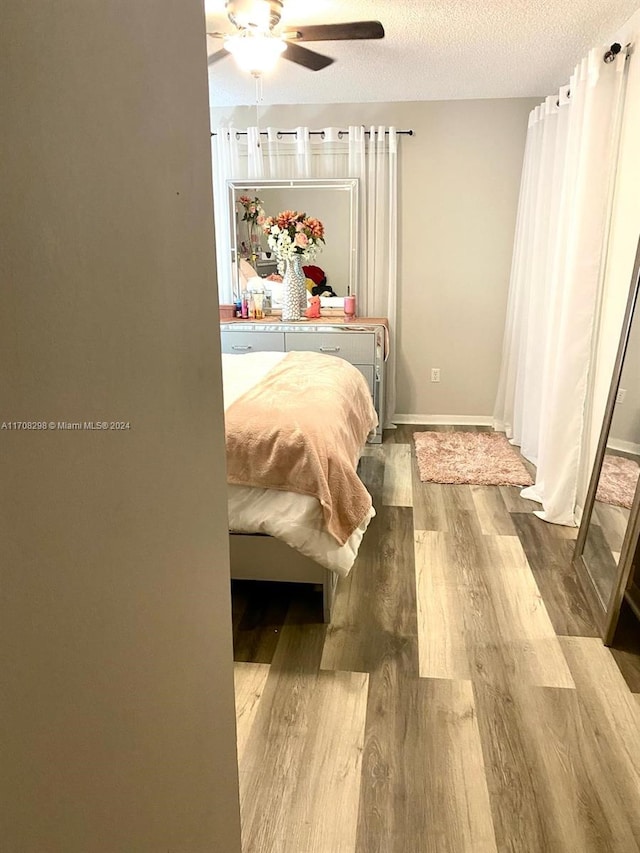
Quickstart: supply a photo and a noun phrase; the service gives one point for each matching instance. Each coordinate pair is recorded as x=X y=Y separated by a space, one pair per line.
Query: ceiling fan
x=256 y=47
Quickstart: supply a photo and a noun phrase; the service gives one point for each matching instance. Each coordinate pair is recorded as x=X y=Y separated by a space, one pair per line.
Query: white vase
x=294 y=298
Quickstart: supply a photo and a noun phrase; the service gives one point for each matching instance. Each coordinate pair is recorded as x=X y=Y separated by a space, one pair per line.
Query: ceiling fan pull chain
x=259 y=93
x=259 y=100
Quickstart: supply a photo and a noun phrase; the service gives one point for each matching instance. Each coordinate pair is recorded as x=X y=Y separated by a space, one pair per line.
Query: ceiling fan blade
x=309 y=58
x=217 y=56
x=337 y=32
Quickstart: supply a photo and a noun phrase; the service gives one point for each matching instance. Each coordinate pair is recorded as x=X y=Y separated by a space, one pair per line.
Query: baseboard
x=445 y=420
x=624 y=446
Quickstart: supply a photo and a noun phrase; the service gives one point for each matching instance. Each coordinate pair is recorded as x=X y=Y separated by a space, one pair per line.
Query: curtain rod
x=614 y=50
x=320 y=133
x=609 y=56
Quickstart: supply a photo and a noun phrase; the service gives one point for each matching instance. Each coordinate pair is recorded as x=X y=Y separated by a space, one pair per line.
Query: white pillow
x=332 y=301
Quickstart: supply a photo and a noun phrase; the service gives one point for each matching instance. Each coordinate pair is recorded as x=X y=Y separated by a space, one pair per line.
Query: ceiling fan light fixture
x=256 y=14
x=255 y=52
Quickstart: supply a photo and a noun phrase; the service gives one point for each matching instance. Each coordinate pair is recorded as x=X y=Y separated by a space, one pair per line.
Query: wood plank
x=377 y=451
x=374 y=615
x=402 y=434
x=492 y=511
x=550 y=559
x=548 y=782
x=442 y=649
x=291 y=680
x=513 y=501
x=614 y=715
x=460 y=510
x=522 y=618
x=561 y=531
x=436 y=506
x=480 y=612
x=423 y=781
x=371 y=472
x=304 y=795
x=249 y=682
x=397 y=490
x=429 y=507
x=457 y=498
x=325 y=805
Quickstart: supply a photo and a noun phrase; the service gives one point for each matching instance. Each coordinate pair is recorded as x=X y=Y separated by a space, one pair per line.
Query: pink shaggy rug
x=480 y=458
x=618 y=481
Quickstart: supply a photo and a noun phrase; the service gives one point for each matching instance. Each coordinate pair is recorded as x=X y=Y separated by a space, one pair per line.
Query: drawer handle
x=243 y=349
x=329 y=349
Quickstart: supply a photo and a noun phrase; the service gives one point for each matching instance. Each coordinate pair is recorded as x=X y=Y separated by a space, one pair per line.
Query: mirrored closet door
x=608 y=537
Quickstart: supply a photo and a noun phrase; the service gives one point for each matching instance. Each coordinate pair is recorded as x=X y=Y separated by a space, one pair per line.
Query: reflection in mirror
x=606 y=540
x=333 y=202
x=618 y=478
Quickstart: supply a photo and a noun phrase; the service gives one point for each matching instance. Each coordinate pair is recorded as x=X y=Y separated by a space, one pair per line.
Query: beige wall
x=458 y=190
x=116 y=698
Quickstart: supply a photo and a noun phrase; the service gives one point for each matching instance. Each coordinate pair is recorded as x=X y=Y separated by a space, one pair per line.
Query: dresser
x=362 y=342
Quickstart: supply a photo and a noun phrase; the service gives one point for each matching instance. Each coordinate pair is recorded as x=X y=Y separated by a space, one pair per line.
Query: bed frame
x=256 y=556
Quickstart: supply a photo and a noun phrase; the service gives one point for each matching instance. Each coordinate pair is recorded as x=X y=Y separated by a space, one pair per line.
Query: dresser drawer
x=358 y=348
x=238 y=342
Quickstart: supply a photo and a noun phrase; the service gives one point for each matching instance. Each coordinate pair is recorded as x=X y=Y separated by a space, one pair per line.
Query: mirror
x=333 y=202
x=607 y=538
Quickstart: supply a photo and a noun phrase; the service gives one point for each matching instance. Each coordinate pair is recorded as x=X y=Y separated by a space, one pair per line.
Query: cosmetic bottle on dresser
x=349 y=307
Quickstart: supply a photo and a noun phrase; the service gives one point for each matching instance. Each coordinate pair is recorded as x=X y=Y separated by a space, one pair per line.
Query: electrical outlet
x=435 y=374
x=622 y=393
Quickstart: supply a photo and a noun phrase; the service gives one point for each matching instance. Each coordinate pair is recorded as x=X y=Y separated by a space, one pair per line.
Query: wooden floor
x=460 y=700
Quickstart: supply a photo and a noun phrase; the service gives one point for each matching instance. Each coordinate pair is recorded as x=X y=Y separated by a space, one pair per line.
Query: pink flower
x=301 y=240
x=286 y=218
x=316 y=227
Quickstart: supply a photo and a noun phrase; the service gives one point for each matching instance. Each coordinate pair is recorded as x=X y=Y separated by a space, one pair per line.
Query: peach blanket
x=301 y=429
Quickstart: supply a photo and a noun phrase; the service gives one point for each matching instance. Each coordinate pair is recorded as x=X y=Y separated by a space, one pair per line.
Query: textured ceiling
x=433 y=50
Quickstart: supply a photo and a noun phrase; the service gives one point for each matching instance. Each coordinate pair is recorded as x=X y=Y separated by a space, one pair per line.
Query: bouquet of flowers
x=253 y=214
x=293 y=233
x=252 y=208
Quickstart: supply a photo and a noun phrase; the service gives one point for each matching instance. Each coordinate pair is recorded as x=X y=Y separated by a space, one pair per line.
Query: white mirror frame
x=254 y=185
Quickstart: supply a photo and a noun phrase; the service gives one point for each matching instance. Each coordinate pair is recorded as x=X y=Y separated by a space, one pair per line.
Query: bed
x=295 y=426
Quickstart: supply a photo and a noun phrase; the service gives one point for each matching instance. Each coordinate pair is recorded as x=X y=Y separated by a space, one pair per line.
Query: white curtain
x=368 y=154
x=556 y=276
